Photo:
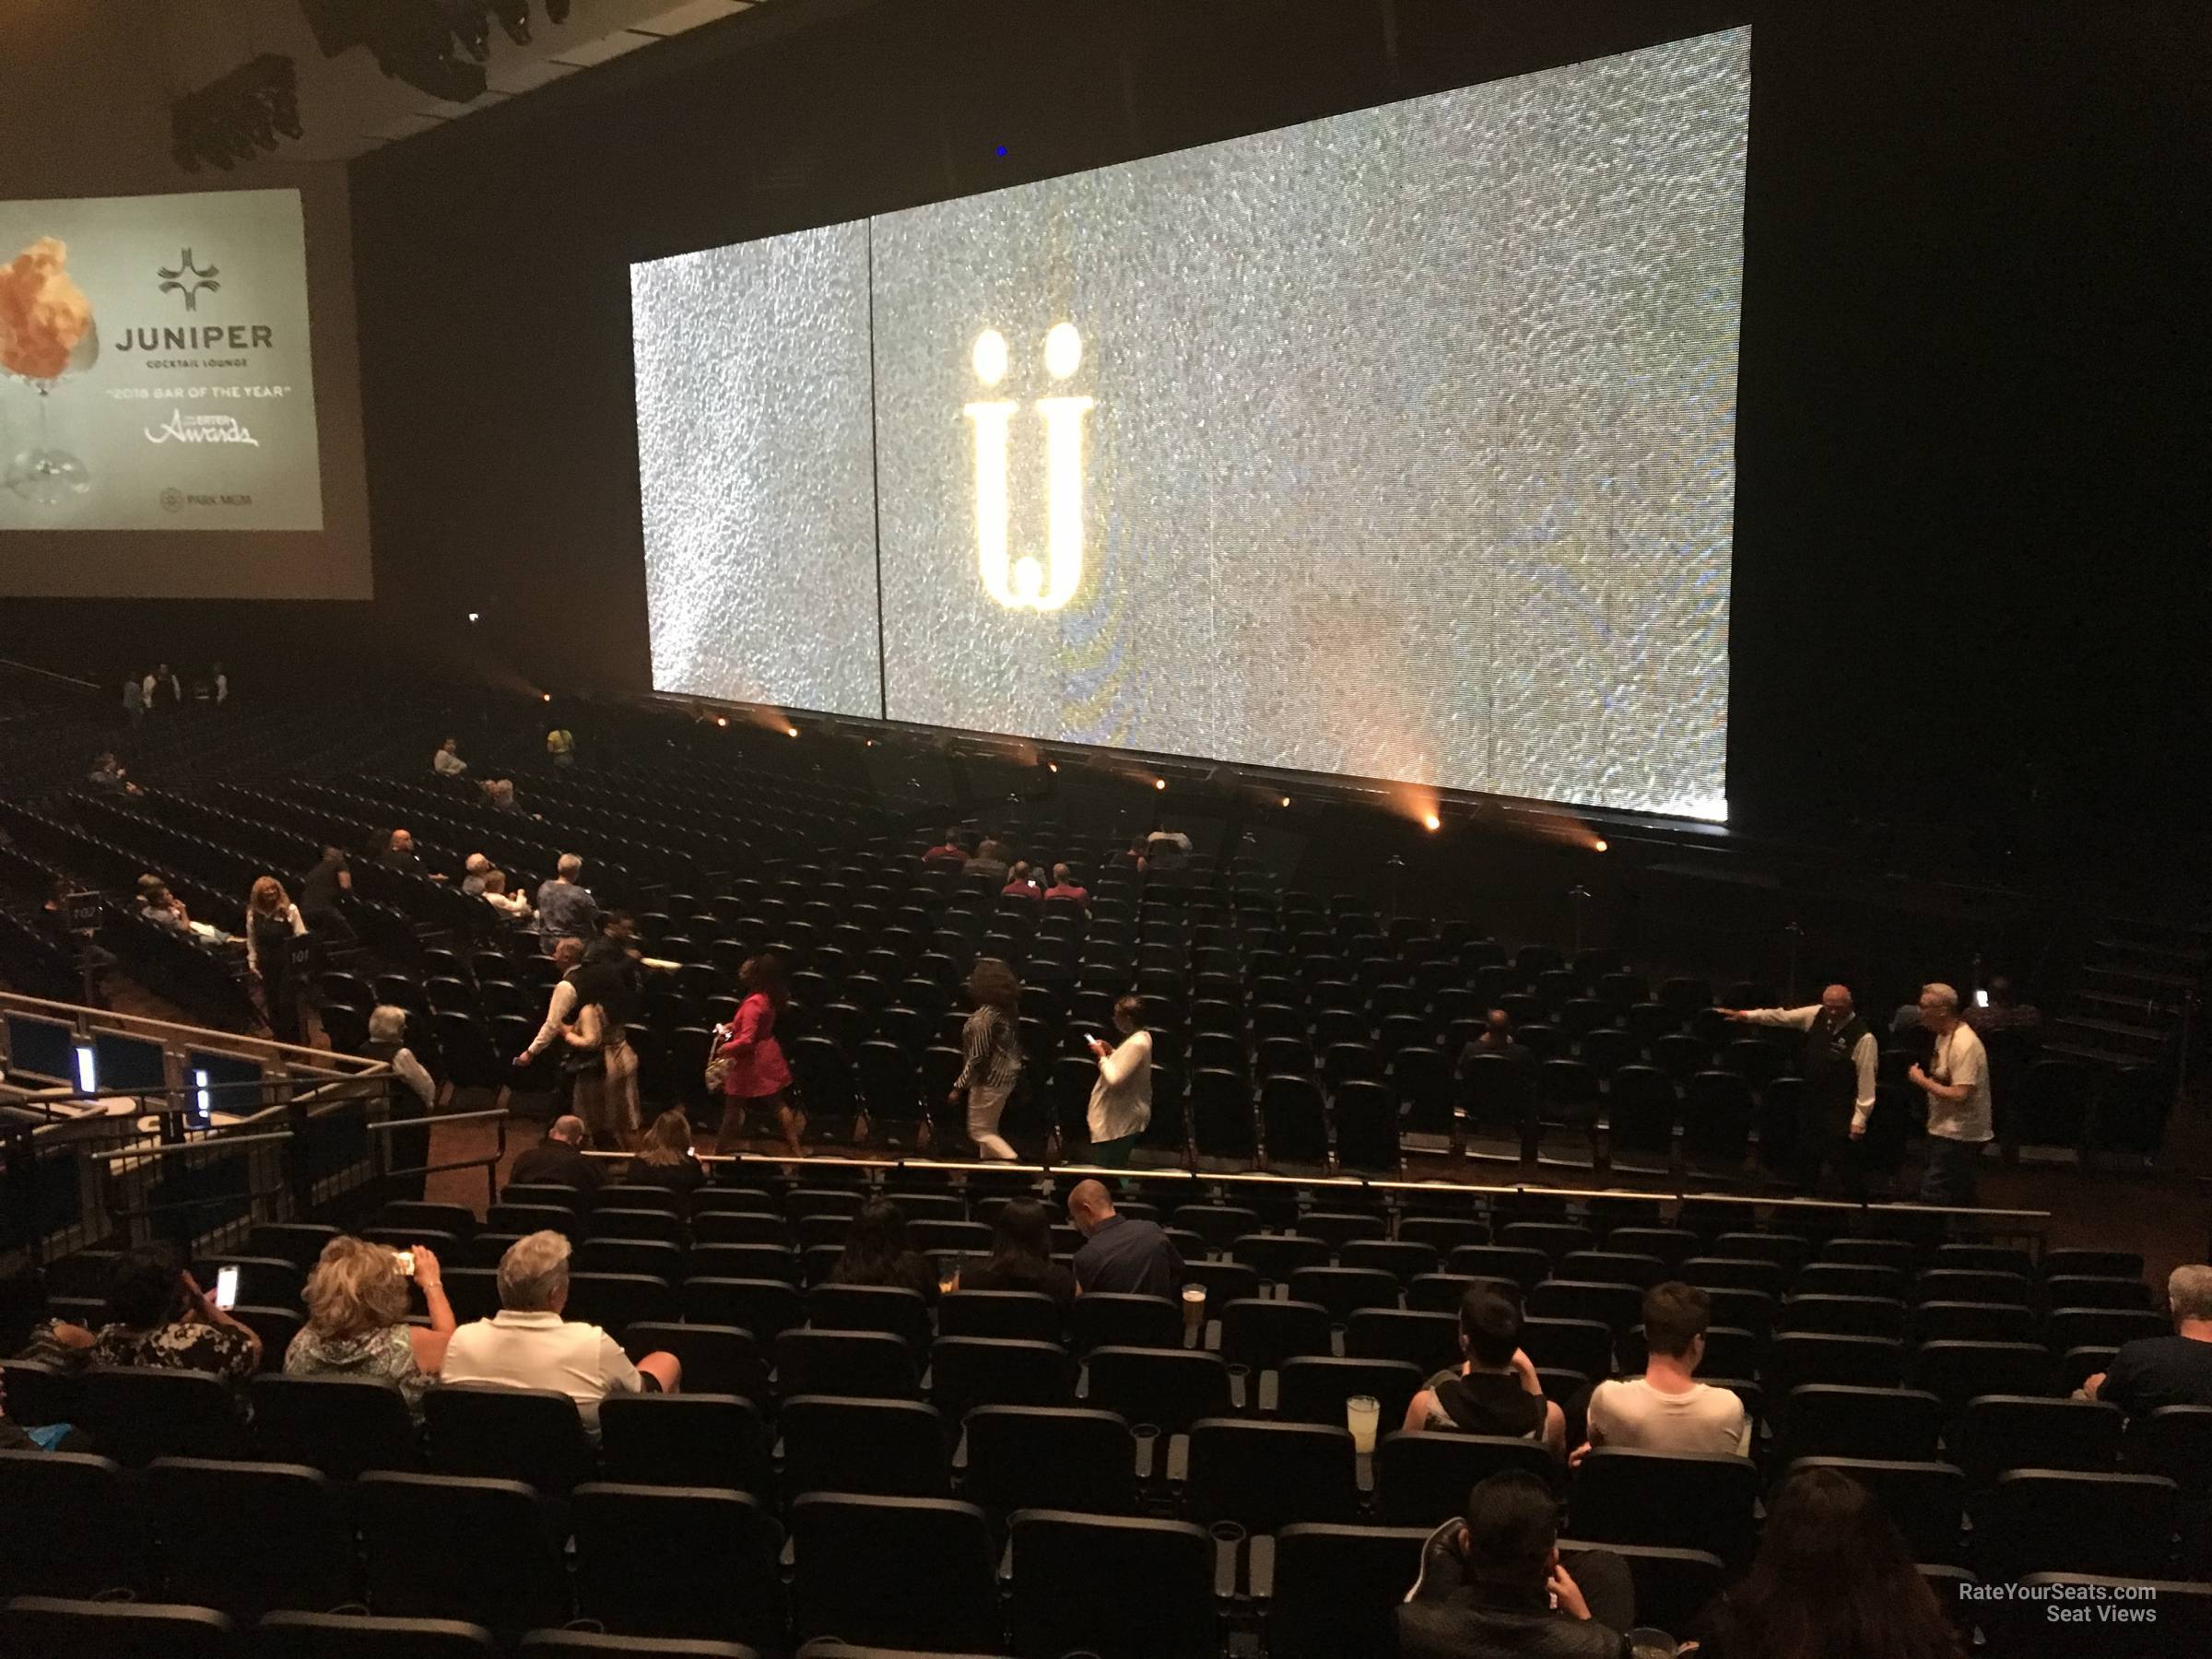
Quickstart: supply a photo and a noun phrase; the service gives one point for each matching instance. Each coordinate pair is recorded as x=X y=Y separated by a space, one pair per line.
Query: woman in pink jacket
x=756 y=1075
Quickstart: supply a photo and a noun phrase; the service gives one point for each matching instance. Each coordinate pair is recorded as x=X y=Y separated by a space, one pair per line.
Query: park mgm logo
x=1028 y=583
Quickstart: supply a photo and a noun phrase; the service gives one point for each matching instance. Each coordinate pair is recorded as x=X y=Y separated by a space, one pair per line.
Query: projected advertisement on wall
x=155 y=371
x=1399 y=444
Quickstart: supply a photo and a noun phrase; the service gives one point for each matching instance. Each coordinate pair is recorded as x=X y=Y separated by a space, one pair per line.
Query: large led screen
x=1399 y=444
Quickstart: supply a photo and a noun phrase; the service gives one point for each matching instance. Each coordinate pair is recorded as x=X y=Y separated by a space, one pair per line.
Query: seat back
x=870 y=1364
x=46 y=1624
x=339 y=1424
x=2060 y=1520
x=1073 y=1578
x=1020 y=1315
x=301 y=1555
x=1170 y=1388
x=685 y=1439
x=1828 y=1419
x=1427 y=1340
x=1023 y=1456
x=894 y=1572
x=1312 y=1388
x=353 y=1636
x=490 y=1431
x=1996 y=1432
x=1262 y=1333
x=446 y=1547
x=1689 y=1501
x=628 y=1579
x=717 y=1359
x=968 y=1372
x=1337 y=1588
x=888 y=1448
x=1113 y=1319
x=893 y=1309
x=1343 y=1290
x=1424 y=1479
x=64 y=1526
x=1264 y=1476
x=140 y=1413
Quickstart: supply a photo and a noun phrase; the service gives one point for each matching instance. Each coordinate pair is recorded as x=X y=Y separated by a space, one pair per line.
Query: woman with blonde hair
x=273 y=922
x=991 y=1048
x=357 y=1319
x=664 y=1157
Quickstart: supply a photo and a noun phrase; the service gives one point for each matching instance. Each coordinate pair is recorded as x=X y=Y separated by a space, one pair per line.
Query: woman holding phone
x=357 y=1319
x=158 y=1316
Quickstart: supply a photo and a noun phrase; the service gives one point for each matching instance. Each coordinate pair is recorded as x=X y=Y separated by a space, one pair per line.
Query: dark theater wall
x=1970 y=560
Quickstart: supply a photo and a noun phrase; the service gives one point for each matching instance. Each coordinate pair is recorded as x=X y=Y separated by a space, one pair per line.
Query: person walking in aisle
x=1120 y=1100
x=991 y=1045
x=754 y=1074
x=273 y=922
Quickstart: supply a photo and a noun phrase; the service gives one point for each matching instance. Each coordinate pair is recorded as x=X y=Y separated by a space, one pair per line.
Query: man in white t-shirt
x=1667 y=1410
x=528 y=1345
x=1955 y=1081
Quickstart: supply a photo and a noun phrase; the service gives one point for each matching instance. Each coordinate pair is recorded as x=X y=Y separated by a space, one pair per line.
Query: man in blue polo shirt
x=1119 y=1254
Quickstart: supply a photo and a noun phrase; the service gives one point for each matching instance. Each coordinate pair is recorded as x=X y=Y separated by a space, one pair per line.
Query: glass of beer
x=1362 y=1414
x=1193 y=1313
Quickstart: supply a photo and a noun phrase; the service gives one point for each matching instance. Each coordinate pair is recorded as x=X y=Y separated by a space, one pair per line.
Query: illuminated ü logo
x=1024 y=584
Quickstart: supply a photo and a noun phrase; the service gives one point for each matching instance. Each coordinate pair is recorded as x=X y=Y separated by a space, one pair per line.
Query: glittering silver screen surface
x=1408 y=449
x=759 y=485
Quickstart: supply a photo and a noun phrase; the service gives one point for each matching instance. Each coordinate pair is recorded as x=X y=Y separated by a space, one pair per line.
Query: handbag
x=718 y=1063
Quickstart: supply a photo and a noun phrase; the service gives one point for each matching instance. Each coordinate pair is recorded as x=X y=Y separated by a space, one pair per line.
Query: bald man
x=559 y=1160
x=1120 y=1255
x=1838 y=1066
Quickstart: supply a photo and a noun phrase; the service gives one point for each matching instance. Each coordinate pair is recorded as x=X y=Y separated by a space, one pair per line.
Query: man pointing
x=1838 y=1066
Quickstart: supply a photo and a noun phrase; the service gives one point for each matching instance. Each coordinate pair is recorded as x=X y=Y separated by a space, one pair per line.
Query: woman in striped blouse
x=992 y=1049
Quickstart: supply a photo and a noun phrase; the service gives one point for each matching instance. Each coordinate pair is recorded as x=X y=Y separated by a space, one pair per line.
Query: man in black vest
x=1838 y=1066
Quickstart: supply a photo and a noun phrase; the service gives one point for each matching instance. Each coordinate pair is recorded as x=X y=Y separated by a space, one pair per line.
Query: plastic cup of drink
x=1193 y=1308
x=1362 y=1415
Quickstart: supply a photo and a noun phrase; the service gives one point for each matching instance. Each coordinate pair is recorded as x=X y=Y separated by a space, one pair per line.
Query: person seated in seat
x=158 y=1316
x=357 y=1319
x=1495 y=1390
x=1064 y=886
x=876 y=1253
x=1493 y=1583
x=2152 y=1371
x=447 y=761
x=1120 y=1255
x=1021 y=883
x=512 y=906
x=1832 y=1580
x=1667 y=1410
x=399 y=854
x=989 y=861
x=473 y=868
x=1021 y=1257
x=1497 y=1038
x=559 y=1160
x=528 y=1344
x=108 y=776
x=948 y=851
x=27 y=1329
x=664 y=1158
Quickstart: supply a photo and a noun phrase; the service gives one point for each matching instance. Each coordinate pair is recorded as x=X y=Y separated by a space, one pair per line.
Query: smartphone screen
x=1980 y=999
x=226 y=1288
x=405 y=1258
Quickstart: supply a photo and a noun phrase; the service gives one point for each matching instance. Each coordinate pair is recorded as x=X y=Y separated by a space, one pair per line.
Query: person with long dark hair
x=754 y=1074
x=991 y=1045
x=876 y=1253
x=158 y=1316
x=273 y=922
x=1832 y=1580
x=1021 y=1256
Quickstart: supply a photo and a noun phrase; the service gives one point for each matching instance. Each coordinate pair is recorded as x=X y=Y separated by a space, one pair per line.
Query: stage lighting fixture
x=469 y=26
x=721 y=719
x=544 y=696
x=1432 y=823
x=474 y=615
x=1160 y=782
x=1286 y=800
x=1598 y=845
x=513 y=19
x=229 y=120
x=414 y=42
x=791 y=731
